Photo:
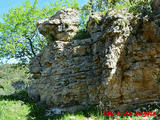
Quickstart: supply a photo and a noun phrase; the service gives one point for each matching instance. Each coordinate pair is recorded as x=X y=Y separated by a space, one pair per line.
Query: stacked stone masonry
x=118 y=64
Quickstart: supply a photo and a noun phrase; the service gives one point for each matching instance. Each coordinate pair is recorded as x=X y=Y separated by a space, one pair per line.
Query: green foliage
x=10 y=74
x=18 y=28
x=96 y=20
x=103 y=13
x=132 y=6
x=71 y=4
x=101 y=5
x=1 y=87
x=85 y=12
x=19 y=35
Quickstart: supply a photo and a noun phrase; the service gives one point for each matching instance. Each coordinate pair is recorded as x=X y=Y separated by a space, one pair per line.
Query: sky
x=5 y=5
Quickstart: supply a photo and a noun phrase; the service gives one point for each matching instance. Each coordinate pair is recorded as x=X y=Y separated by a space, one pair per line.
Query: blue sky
x=5 y=5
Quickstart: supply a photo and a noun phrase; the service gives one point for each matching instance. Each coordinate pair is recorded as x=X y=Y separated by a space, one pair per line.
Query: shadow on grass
x=37 y=112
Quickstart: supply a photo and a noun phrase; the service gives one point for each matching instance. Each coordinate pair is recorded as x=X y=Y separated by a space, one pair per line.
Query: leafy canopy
x=19 y=37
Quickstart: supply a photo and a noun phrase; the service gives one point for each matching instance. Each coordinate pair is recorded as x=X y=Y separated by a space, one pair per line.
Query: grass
x=16 y=105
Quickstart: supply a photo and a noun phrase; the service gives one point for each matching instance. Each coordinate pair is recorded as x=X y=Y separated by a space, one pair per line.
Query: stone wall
x=119 y=63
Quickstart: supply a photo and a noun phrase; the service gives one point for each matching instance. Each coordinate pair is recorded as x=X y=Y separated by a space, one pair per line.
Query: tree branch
x=31 y=44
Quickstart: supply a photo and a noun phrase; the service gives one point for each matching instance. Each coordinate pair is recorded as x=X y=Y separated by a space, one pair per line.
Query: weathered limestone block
x=94 y=22
x=79 y=51
x=61 y=26
x=151 y=32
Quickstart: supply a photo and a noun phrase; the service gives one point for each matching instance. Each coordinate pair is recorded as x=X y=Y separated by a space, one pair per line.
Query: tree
x=102 y=5
x=19 y=37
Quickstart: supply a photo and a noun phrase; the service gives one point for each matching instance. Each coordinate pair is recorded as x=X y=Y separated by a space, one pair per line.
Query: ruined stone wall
x=119 y=63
